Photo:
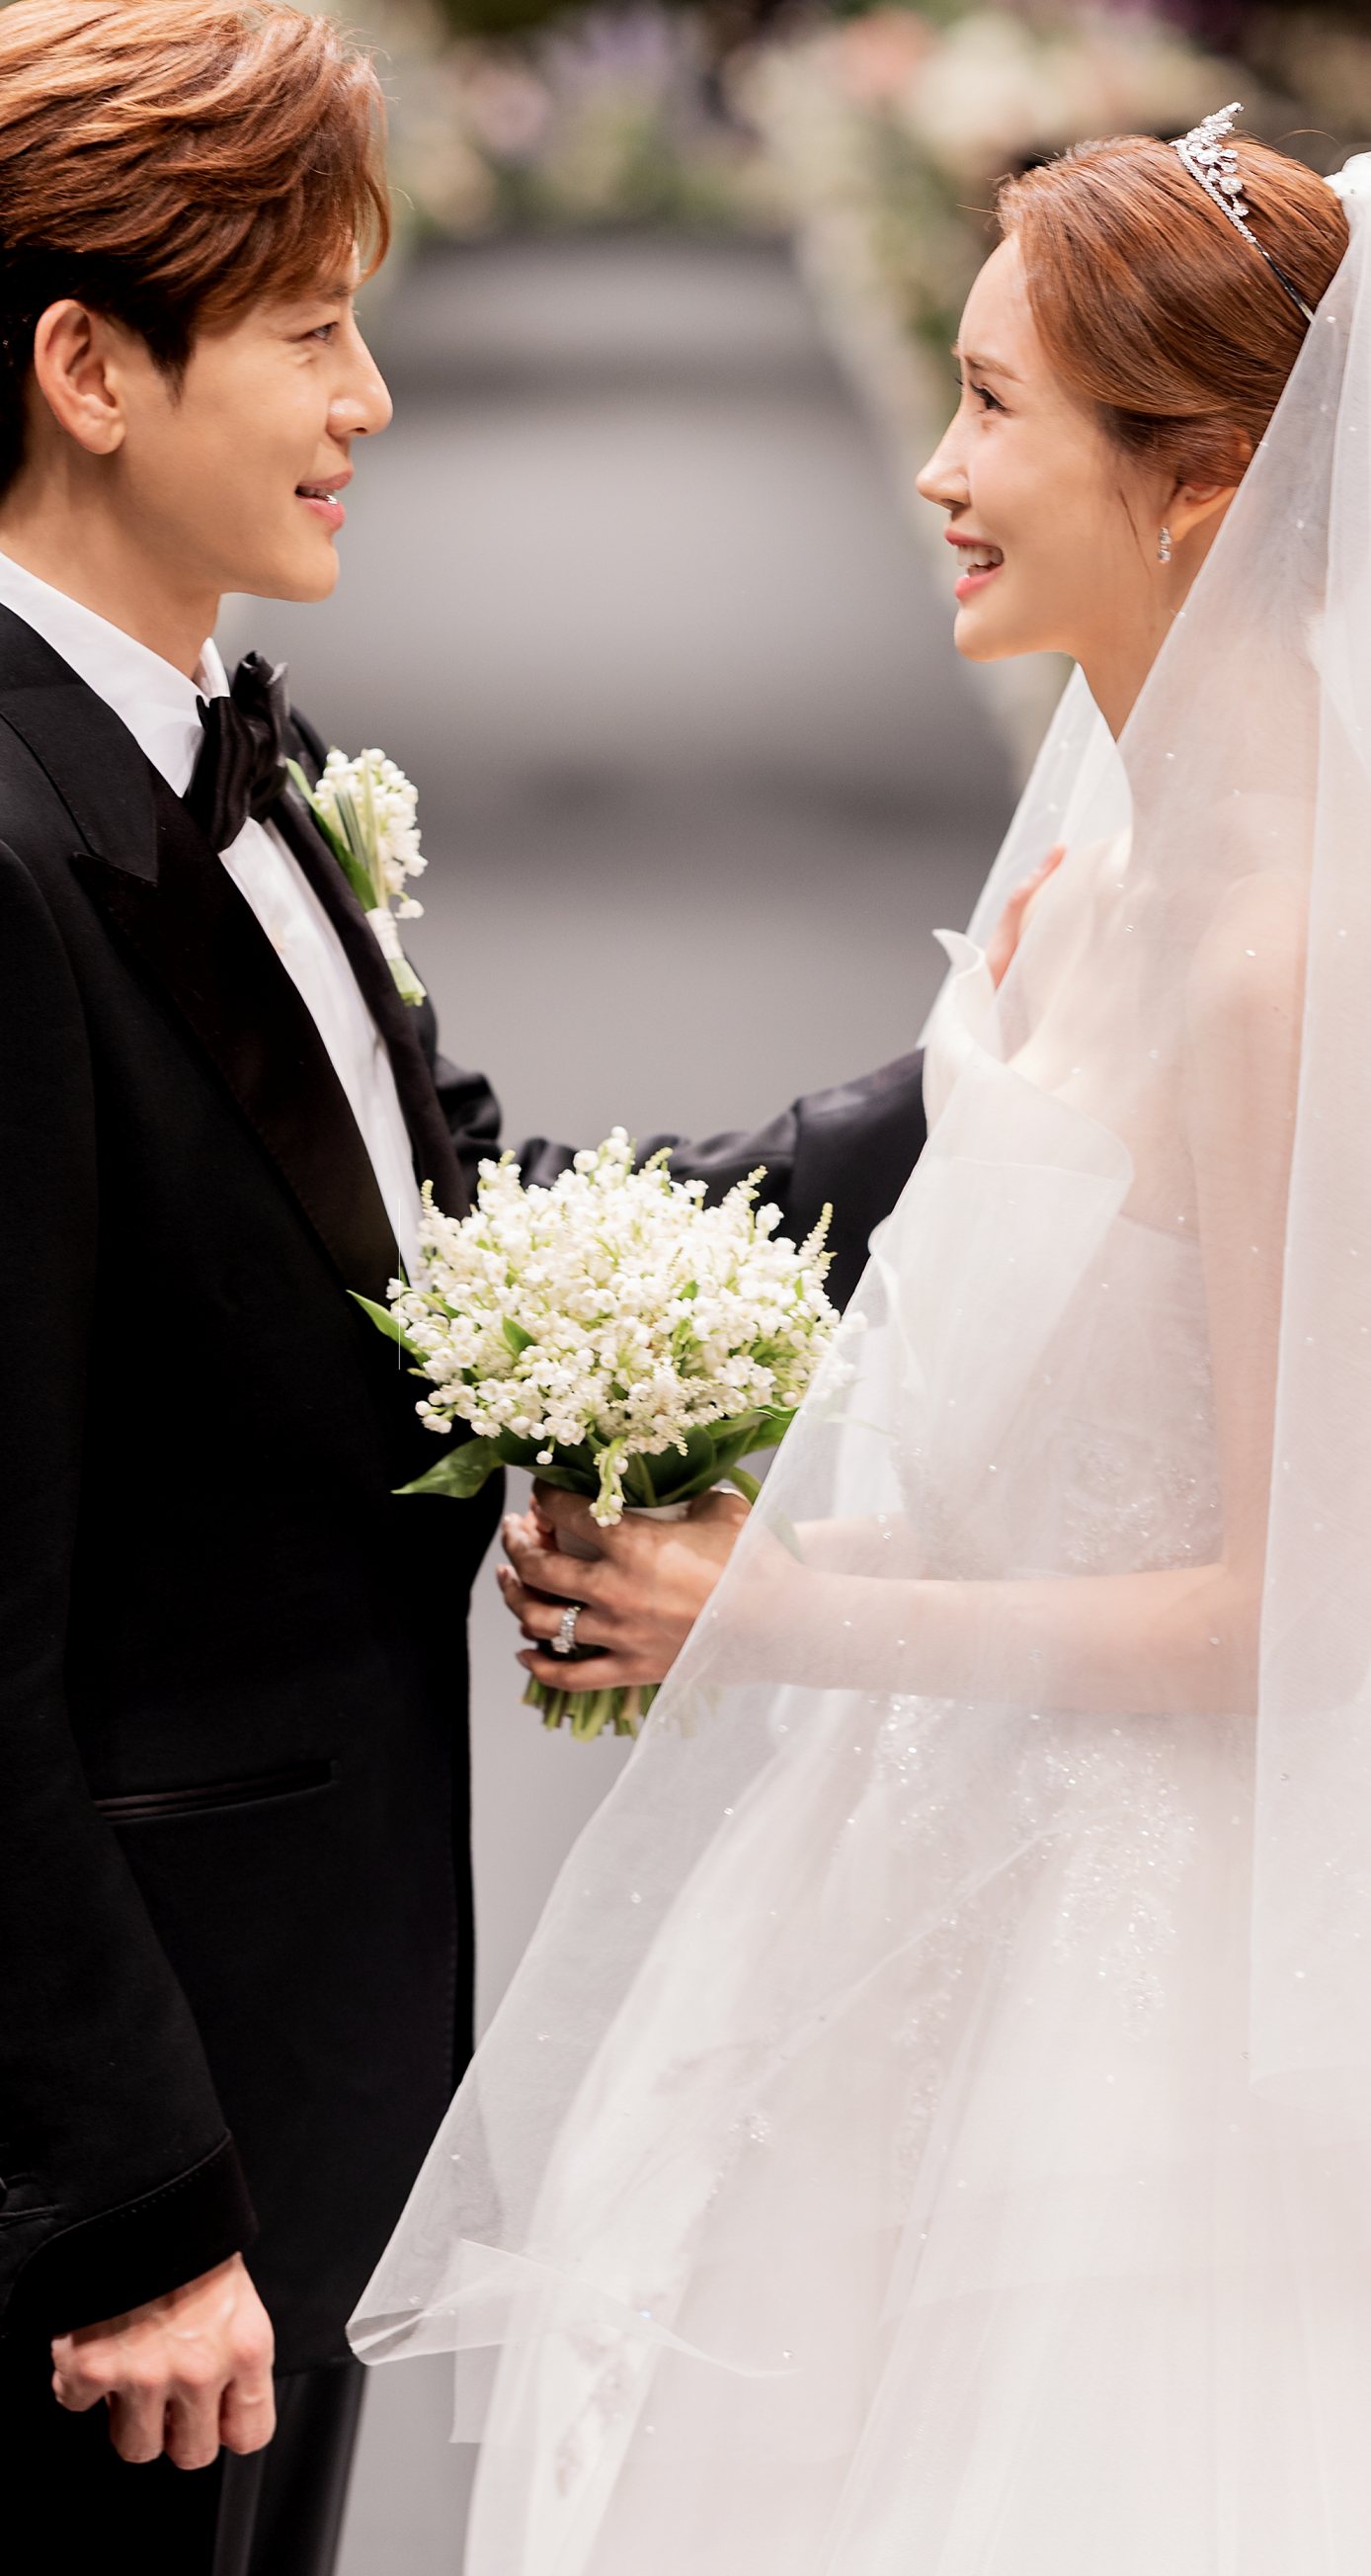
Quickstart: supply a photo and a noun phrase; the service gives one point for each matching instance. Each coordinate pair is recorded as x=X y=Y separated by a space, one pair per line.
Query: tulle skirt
x=1006 y=2271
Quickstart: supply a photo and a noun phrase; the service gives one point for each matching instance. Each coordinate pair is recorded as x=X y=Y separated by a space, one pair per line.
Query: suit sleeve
x=119 y=2178
x=852 y=1147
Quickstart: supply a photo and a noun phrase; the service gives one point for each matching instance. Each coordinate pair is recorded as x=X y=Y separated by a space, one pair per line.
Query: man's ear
x=76 y=366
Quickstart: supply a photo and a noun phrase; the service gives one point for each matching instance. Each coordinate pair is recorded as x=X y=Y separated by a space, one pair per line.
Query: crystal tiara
x=1214 y=163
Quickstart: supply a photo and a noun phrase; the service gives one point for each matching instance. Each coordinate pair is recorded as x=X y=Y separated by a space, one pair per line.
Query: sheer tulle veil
x=979 y=1939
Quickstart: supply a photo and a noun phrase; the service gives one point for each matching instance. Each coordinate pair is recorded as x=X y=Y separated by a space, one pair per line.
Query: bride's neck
x=1117 y=667
x=1116 y=662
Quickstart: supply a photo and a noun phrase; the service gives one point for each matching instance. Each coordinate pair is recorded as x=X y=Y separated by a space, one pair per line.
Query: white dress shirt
x=157 y=703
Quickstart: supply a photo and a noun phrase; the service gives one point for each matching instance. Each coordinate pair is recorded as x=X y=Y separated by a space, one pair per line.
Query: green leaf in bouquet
x=675 y=1474
x=569 y=1480
x=773 y=1425
x=574 y=1471
x=386 y=1322
x=519 y=1341
x=460 y=1472
x=733 y=1441
x=515 y=1452
x=722 y=1448
x=639 y=1487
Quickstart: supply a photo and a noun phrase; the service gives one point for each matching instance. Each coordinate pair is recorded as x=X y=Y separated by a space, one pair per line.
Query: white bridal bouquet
x=366 y=810
x=615 y=1335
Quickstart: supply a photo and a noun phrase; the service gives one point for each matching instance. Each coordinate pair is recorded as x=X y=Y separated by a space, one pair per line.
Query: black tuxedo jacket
x=235 y=1904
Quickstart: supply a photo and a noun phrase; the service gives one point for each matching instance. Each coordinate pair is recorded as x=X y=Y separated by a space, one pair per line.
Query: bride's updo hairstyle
x=1154 y=309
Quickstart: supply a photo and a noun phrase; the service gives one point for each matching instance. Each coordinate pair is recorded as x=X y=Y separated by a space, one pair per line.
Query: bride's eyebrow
x=984 y=366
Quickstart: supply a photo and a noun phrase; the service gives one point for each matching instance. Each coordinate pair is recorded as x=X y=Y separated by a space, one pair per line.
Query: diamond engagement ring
x=564 y=1643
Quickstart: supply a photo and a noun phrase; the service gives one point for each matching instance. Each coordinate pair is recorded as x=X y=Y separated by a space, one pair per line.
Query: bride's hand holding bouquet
x=638 y=1601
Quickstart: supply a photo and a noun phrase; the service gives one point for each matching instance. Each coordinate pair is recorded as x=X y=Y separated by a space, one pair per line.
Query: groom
x=235 y=1902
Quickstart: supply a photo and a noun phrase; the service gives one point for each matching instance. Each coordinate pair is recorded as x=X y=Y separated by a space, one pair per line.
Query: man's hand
x=182 y=2375
x=1008 y=930
x=643 y=1592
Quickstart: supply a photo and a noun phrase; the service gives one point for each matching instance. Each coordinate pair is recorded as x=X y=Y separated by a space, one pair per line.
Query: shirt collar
x=157 y=703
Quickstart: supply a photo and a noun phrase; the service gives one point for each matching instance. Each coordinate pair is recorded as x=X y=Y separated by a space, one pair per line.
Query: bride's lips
x=983 y=562
x=322 y=498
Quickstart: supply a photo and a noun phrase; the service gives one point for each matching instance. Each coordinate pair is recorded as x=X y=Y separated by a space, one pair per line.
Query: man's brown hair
x=173 y=162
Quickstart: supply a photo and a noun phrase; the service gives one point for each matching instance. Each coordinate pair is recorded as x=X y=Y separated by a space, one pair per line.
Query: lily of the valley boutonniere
x=365 y=809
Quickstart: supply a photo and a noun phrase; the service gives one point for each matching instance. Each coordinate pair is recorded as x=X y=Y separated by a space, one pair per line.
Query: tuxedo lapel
x=91 y=758
x=435 y=1157
x=149 y=867
x=153 y=874
x=206 y=948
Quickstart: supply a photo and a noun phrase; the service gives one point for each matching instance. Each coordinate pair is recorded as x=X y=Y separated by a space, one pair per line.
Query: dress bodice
x=1094 y=1453
x=1132 y=1450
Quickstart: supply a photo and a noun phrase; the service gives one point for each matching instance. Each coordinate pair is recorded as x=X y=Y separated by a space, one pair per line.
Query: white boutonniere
x=365 y=809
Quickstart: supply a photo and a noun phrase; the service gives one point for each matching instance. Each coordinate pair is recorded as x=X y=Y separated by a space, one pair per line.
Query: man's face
x=233 y=481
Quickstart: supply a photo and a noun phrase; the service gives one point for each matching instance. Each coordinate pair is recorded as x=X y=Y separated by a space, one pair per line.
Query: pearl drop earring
x=1164 y=545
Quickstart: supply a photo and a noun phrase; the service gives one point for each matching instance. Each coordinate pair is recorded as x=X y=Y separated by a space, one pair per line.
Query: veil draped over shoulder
x=931 y=2128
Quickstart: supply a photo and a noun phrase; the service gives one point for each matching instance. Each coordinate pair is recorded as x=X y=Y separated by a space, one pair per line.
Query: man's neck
x=94 y=565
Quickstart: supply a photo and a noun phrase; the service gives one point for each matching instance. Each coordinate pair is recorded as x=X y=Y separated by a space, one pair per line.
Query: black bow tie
x=240 y=767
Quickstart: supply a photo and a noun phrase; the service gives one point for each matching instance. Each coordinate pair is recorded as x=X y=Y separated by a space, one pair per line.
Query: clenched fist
x=184 y=2374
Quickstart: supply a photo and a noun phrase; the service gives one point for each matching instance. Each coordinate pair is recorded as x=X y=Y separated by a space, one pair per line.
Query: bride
x=930 y=2134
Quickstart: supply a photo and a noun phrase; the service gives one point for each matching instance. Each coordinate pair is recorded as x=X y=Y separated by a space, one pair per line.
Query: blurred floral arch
x=872 y=137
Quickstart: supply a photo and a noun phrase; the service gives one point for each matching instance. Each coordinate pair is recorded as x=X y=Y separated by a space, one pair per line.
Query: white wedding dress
x=930 y=2134
x=963 y=2225
x=987 y=2227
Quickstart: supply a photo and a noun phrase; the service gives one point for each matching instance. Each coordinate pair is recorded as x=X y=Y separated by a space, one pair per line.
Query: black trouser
x=72 y=2507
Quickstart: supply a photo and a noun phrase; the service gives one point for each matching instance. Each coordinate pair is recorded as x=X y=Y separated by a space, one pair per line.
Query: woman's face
x=1054 y=532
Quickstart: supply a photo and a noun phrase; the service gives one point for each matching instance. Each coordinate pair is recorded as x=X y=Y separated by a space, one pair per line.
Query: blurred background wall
x=635 y=590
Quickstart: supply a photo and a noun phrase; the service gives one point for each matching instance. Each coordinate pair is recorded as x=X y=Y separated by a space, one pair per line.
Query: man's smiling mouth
x=323 y=497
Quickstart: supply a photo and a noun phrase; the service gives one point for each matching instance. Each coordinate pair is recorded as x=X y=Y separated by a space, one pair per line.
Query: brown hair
x=1154 y=308
x=173 y=162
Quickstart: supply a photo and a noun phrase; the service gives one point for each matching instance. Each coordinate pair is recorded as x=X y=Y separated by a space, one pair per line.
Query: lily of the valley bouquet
x=617 y=1336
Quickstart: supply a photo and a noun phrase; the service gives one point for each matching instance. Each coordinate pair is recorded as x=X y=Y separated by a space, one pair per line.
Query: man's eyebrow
x=984 y=366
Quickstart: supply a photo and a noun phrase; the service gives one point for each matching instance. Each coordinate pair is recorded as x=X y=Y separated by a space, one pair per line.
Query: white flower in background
x=987 y=87
x=997 y=86
x=367 y=811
